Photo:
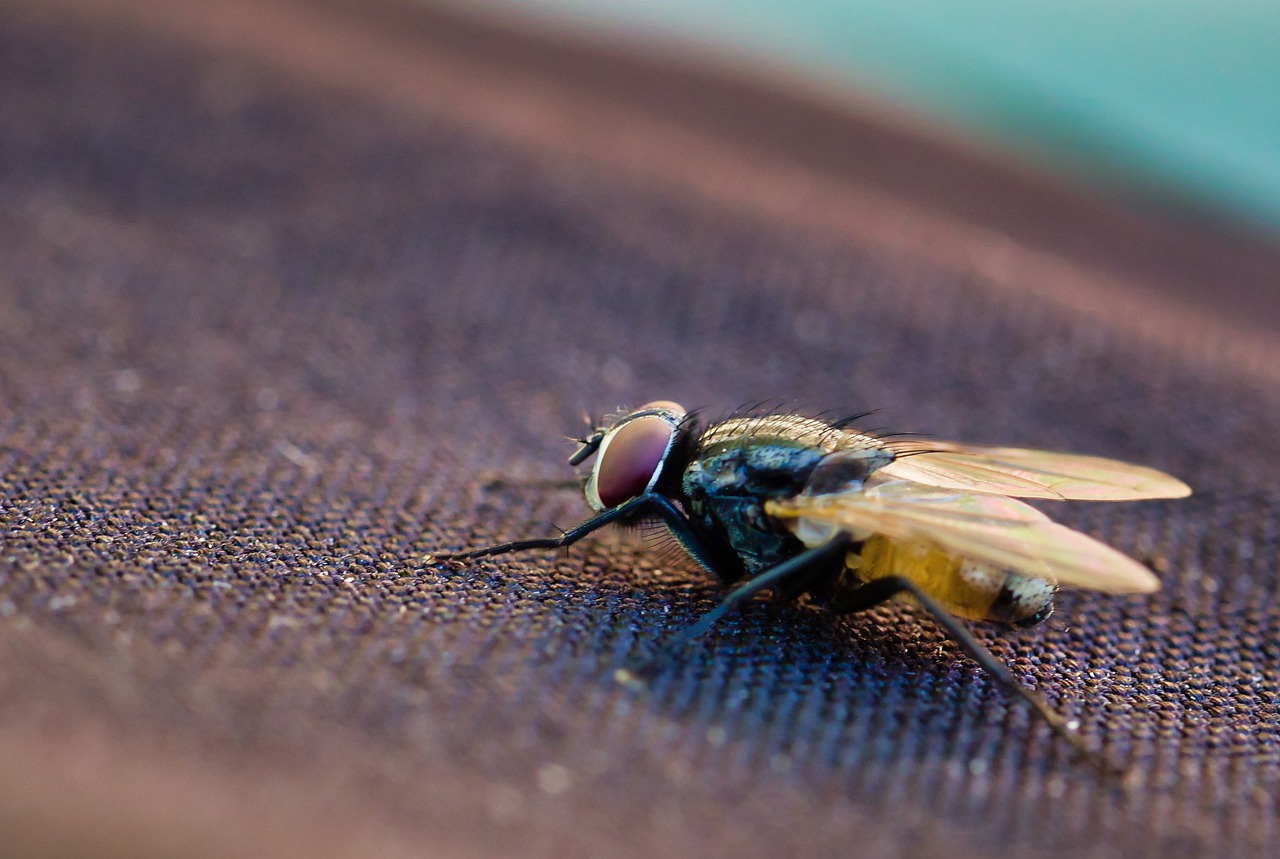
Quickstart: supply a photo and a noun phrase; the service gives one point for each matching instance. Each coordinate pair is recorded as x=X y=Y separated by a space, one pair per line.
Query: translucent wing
x=1027 y=473
x=999 y=531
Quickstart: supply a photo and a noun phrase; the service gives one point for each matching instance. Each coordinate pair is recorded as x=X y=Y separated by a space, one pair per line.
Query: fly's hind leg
x=880 y=590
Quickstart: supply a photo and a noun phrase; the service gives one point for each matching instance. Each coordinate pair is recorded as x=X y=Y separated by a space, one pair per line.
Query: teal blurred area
x=1175 y=99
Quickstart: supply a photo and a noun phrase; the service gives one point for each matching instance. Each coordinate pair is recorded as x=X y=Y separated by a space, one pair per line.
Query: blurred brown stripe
x=750 y=142
x=257 y=358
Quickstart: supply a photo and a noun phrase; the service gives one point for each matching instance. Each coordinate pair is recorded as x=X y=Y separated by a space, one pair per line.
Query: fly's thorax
x=846 y=470
x=794 y=429
x=740 y=464
x=778 y=456
x=750 y=468
x=726 y=484
x=966 y=588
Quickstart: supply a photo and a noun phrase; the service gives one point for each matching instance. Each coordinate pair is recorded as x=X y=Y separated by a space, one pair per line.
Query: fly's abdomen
x=966 y=588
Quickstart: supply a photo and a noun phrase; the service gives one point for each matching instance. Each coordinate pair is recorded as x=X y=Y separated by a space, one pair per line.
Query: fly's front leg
x=568 y=538
x=498 y=481
x=640 y=507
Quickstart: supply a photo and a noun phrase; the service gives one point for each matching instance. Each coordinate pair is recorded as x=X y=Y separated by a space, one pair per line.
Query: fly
x=797 y=505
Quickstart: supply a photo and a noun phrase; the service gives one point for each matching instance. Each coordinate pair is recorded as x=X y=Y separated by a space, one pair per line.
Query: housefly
x=800 y=506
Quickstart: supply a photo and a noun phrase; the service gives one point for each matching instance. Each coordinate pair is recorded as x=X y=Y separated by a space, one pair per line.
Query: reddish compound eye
x=630 y=458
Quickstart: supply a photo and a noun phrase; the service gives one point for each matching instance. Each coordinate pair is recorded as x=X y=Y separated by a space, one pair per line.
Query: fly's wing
x=1027 y=473
x=1003 y=532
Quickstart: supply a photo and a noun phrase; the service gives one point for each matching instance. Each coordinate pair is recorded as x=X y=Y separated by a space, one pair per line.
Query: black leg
x=878 y=591
x=499 y=483
x=637 y=508
x=568 y=538
x=800 y=565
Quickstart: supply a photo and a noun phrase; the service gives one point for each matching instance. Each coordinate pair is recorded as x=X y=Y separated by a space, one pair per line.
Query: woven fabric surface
x=266 y=341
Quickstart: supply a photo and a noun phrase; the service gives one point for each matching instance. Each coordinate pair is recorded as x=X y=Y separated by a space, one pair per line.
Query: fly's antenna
x=590 y=442
x=587 y=446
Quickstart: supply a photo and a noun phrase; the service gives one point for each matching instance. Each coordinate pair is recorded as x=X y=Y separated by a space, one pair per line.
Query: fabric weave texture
x=265 y=345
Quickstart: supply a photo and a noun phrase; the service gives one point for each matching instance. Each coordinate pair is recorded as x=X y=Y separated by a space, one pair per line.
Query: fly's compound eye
x=632 y=453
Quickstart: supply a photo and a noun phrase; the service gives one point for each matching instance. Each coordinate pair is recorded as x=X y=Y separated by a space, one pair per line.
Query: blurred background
x=286 y=282
x=1174 y=100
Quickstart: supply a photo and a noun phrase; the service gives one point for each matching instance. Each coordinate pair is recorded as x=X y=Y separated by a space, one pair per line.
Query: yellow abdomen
x=965 y=588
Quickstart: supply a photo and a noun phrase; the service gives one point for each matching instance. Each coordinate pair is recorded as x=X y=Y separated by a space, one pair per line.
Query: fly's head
x=634 y=453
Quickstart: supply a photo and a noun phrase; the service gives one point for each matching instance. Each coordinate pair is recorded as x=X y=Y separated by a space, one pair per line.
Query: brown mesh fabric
x=273 y=314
